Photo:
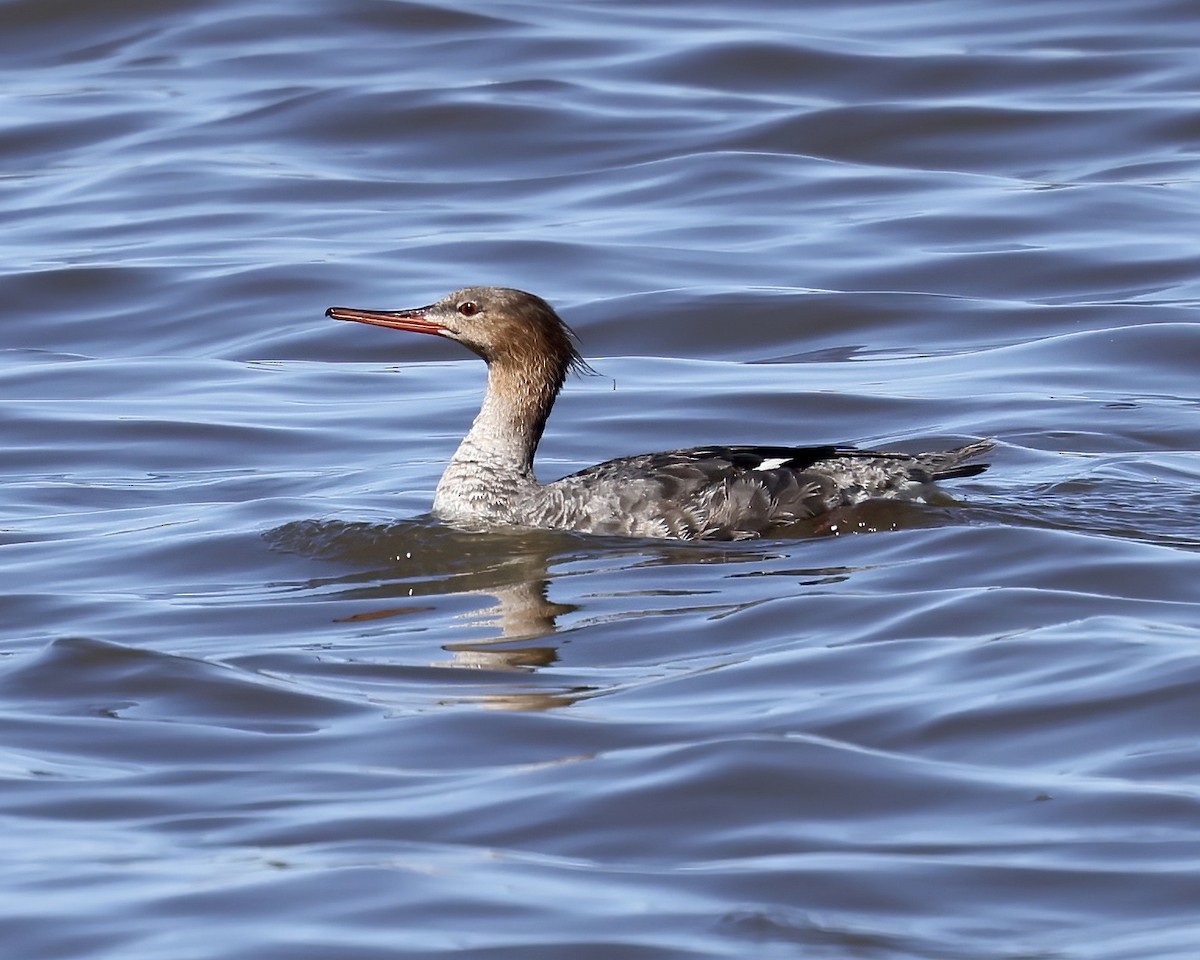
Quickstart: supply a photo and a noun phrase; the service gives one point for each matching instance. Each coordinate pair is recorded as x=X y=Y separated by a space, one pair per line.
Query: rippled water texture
x=255 y=705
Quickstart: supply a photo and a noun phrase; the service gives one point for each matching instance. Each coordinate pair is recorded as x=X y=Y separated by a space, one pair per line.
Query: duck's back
x=738 y=492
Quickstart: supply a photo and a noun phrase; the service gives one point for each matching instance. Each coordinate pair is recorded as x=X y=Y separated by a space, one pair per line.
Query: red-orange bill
x=414 y=320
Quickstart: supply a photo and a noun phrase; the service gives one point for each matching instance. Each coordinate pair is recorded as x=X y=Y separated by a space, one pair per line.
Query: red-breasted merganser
x=719 y=493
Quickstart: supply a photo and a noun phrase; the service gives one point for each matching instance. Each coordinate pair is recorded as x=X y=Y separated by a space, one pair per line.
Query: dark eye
x=468 y=308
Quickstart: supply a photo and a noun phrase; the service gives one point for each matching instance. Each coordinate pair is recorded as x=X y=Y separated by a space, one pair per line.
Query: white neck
x=493 y=465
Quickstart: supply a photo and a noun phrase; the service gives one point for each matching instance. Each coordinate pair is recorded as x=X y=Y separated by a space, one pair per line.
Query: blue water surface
x=256 y=704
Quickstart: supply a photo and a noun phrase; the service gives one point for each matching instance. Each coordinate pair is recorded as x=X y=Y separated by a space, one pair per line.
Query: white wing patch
x=774 y=463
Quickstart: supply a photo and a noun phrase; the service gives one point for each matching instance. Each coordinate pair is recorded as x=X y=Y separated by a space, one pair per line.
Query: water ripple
x=249 y=687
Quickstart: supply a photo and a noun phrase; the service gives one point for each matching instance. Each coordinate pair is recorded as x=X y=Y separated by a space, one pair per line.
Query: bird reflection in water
x=400 y=564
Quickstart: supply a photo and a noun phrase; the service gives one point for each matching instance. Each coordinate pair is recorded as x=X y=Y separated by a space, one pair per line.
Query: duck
x=718 y=492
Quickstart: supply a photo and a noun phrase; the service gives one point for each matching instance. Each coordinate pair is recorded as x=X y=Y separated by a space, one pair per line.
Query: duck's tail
x=952 y=464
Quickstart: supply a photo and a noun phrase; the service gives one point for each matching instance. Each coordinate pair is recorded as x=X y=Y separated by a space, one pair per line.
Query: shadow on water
x=424 y=557
x=419 y=571
x=398 y=565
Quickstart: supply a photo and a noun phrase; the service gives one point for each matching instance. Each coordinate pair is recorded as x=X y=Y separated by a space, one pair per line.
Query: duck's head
x=509 y=328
